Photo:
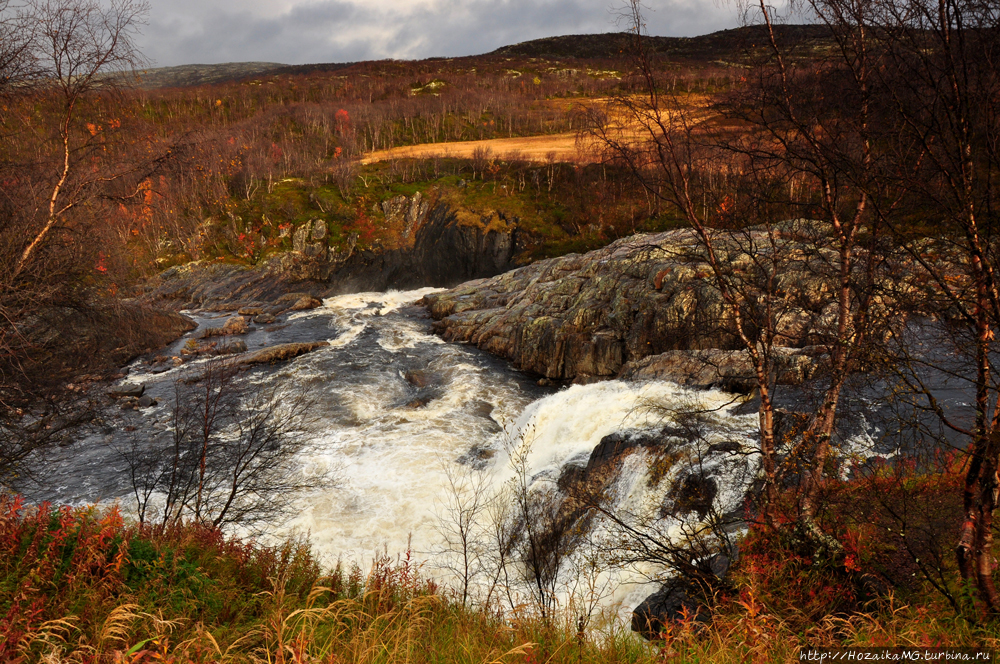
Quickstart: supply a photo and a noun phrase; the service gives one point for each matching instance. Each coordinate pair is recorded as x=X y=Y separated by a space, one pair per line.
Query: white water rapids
x=398 y=408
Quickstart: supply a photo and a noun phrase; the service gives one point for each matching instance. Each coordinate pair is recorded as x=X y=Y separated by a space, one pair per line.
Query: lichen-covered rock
x=597 y=315
x=408 y=212
x=310 y=239
x=728 y=370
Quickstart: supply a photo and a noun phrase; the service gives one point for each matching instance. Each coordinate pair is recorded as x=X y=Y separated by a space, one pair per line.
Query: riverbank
x=81 y=584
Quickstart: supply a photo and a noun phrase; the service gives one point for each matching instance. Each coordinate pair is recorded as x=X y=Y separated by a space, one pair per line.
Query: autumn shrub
x=66 y=571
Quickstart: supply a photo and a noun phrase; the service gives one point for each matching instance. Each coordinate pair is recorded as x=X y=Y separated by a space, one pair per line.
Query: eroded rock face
x=411 y=212
x=606 y=313
x=441 y=250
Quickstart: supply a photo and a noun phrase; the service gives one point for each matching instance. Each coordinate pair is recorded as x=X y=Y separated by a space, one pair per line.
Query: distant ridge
x=190 y=75
x=717 y=45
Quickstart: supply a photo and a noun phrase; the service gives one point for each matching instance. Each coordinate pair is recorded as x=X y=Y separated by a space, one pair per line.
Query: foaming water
x=396 y=409
x=569 y=424
x=562 y=430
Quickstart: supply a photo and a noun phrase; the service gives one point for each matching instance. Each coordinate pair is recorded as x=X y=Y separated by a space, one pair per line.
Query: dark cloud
x=302 y=31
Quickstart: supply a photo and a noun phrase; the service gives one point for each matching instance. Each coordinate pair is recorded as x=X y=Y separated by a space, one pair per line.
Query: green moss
x=561 y=208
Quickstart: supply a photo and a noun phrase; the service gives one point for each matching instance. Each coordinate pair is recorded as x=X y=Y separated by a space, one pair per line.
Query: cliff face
x=642 y=307
x=444 y=251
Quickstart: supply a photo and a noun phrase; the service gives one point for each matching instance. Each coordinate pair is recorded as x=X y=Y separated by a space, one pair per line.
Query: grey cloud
x=484 y=25
x=208 y=31
x=214 y=34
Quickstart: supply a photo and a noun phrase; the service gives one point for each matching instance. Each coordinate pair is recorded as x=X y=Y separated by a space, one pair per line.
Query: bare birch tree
x=771 y=150
x=232 y=457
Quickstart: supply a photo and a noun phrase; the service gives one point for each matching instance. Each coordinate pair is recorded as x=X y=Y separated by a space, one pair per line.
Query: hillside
x=725 y=45
x=192 y=75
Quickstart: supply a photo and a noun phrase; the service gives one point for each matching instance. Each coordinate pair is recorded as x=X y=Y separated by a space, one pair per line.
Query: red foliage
x=363 y=224
x=343 y=120
x=49 y=553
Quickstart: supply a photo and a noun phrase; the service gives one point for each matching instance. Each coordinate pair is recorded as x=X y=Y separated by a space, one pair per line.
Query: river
x=399 y=414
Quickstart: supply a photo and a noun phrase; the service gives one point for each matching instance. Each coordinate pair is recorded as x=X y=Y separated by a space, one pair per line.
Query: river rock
x=127 y=390
x=304 y=303
x=681 y=598
x=600 y=314
x=280 y=353
x=235 y=346
x=235 y=325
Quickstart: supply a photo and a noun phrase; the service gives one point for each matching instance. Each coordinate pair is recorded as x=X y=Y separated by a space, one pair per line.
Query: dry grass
x=569 y=147
x=562 y=148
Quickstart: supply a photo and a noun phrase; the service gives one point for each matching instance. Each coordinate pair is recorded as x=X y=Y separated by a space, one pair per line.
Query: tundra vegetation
x=878 y=125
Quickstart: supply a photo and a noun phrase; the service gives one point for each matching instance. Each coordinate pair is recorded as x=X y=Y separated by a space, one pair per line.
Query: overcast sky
x=310 y=31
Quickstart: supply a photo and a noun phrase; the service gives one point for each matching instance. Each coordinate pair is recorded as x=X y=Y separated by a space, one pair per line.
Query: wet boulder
x=682 y=598
x=280 y=353
x=127 y=390
x=692 y=493
x=673 y=602
x=478 y=457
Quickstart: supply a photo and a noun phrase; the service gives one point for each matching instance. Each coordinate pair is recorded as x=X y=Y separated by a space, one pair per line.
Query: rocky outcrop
x=606 y=313
x=406 y=212
x=728 y=370
x=446 y=248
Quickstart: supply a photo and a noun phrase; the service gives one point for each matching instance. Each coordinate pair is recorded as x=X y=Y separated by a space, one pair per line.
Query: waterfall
x=399 y=413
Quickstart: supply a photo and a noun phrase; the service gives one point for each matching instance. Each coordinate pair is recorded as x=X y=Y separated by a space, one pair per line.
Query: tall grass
x=82 y=585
